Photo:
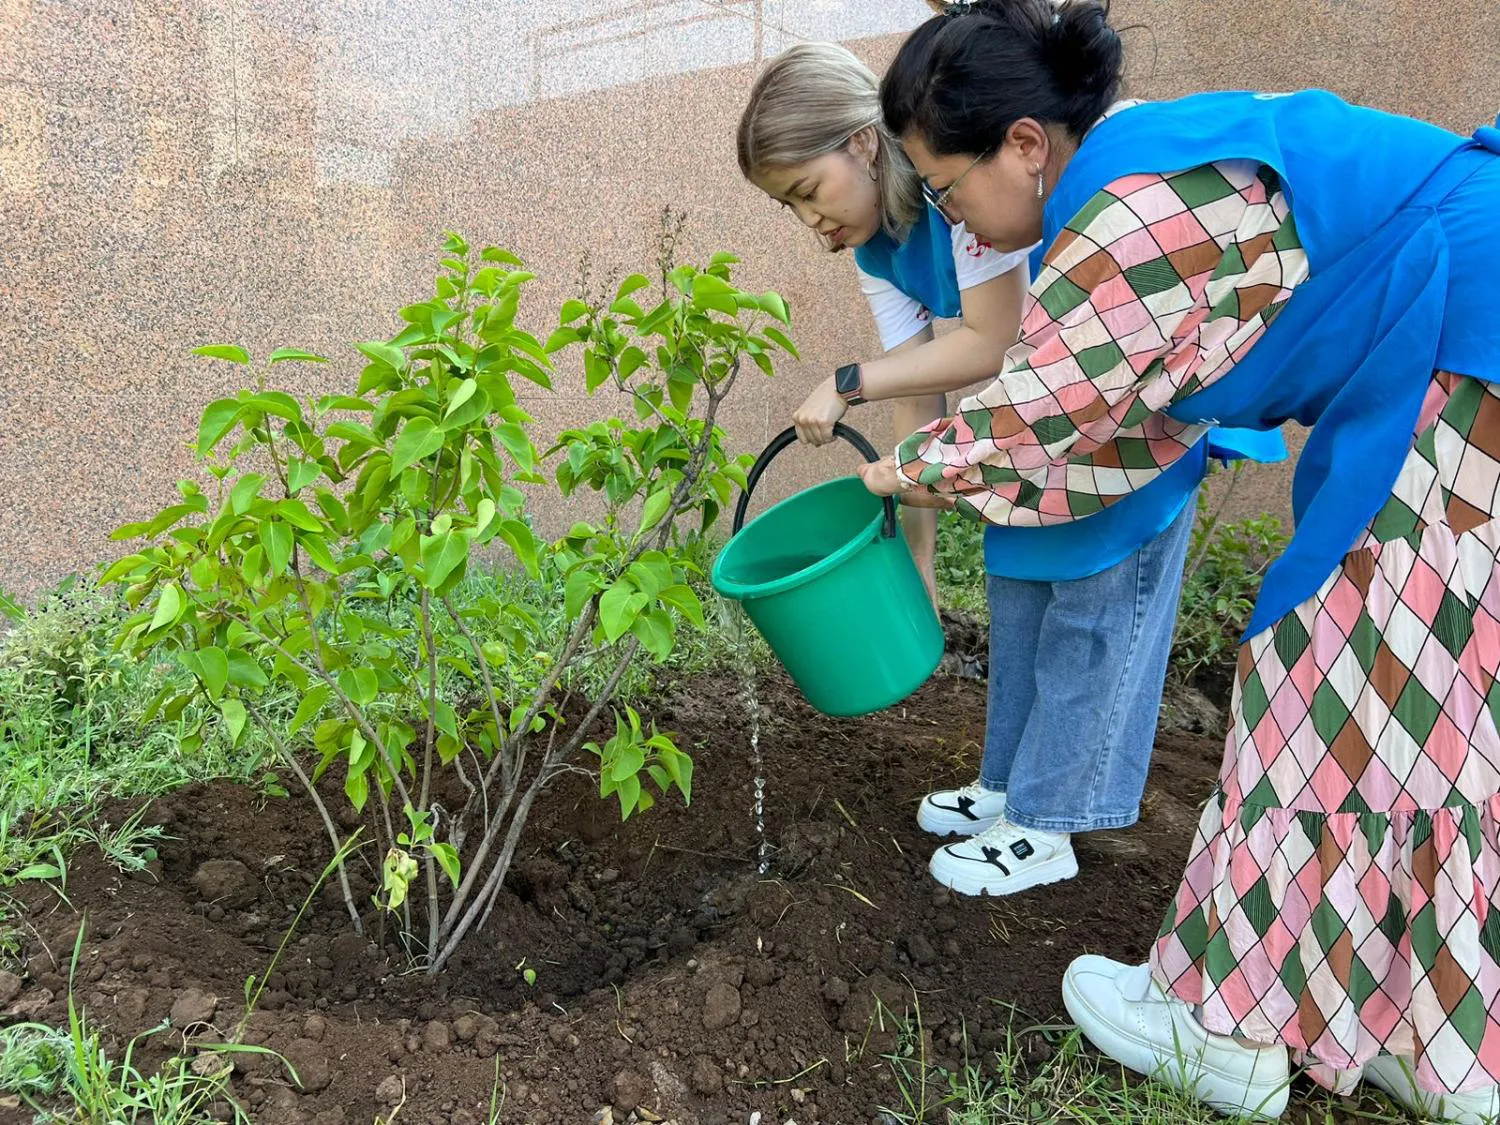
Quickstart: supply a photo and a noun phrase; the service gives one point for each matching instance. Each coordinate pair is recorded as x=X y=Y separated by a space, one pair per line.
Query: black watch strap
x=849 y=382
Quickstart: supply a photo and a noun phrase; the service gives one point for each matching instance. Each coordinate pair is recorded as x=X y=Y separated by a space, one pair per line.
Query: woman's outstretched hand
x=820 y=411
x=882 y=479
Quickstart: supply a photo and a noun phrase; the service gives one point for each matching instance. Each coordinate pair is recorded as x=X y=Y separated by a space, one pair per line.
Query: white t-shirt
x=899 y=317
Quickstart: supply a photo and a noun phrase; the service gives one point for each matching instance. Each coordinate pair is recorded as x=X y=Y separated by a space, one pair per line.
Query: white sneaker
x=960 y=812
x=1004 y=859
x=1126 y=1015
x=1394 y=1076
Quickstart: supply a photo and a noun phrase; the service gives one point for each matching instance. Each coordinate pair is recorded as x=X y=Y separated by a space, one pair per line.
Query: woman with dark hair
x=1252 y=259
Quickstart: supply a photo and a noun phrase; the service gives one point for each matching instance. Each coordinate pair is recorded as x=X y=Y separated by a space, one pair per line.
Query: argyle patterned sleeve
x=1149 y=293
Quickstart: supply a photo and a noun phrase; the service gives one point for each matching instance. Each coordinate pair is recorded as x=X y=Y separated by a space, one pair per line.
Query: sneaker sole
x=938 y=824
x=1054 y=870
x=1224 y=1092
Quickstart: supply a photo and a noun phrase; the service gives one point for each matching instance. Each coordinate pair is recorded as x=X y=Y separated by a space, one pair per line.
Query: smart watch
x=849 y=382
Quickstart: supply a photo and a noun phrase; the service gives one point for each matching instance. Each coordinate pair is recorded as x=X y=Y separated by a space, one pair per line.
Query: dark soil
x=669 y=976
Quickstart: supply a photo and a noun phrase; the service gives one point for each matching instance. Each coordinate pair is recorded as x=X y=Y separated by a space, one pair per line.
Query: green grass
x=69 y=1074
x=960 y=565
x=1047 y=1075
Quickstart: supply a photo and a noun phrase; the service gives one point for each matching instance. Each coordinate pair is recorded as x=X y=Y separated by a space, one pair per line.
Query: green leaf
x=296 y=513
x=655 y=508
x=245 y=671
x=460 y=395
x=218 y=419
x=318 y=553
x=445 y=718
x=596 y=371
x=442 y=555
x=517 y=444
x=774 y=304
x=580 y=586
x=168 y=607
x=522 y=540
x=617 y=610
x=276 y=403
x=683 y=766
x=300 y=474
x=357 y=789
x=281 y=355
x=632 y=283
x=310 y=707
x=447 y=857
x=684 y=601
x=654 y=630
x=629 y=793
x=628 y=762
x=382 y=353
x=632 y=359
x=710 y=292
x=419 y=438
x=113 y=573
x=561 y=338
x=571 y=311
x=277 y=540
x=343 y=402
x=213 y=669
x=232 y=352
x=360 y=684
x=234 y=719
x=38 y=872
x=244 y=492
x=779 y=338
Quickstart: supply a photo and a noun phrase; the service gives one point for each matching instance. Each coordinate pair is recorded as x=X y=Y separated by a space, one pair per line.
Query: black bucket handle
x=789 y=437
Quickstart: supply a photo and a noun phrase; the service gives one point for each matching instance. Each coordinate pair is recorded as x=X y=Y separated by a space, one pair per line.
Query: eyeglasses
x=939 y=199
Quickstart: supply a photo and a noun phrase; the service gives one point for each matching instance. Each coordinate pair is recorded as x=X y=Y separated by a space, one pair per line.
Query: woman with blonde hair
x=1084 y=610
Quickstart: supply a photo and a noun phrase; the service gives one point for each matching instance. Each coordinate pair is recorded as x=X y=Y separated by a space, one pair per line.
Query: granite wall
x=175 y=172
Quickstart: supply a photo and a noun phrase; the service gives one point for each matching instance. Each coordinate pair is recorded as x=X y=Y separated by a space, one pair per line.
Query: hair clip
x=958 y=8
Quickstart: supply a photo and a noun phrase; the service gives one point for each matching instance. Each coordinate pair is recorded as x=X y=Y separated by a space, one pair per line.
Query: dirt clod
x=193 y=1006
x=391 y=1090
x=629 y=1090
x=311 y=1063
x=437 y=1036
x=721 y=1008
x=226 y=883
x=706 y=1078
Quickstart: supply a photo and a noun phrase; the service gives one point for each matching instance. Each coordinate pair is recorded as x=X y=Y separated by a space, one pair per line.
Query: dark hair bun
x=1085 y=55
x=963 y=78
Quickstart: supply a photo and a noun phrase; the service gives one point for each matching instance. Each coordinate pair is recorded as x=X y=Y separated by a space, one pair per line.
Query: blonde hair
x=810 y=101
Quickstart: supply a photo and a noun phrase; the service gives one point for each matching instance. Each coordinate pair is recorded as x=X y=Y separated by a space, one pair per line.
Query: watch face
x=846 y=379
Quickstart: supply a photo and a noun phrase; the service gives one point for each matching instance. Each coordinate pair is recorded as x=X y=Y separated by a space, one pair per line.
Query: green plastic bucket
x=828 y=581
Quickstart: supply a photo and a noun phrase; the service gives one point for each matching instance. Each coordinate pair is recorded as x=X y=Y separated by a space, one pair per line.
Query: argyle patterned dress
x=1341 y=890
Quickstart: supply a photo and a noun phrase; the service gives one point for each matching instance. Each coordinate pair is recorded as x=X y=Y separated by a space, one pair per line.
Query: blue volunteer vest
x=1400 y=221
x=922 y=267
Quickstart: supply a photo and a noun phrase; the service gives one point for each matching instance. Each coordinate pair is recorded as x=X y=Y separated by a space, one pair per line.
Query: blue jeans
x=1076 y=674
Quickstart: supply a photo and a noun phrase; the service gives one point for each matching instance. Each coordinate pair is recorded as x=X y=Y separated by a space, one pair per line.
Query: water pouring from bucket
x=826 y=578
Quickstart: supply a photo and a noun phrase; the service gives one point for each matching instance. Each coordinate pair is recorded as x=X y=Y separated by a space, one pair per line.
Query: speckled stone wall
x=175 y=172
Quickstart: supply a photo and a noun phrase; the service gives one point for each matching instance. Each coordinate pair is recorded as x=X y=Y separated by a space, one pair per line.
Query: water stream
x=746 y=638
